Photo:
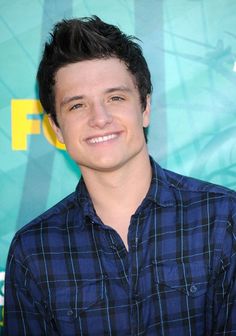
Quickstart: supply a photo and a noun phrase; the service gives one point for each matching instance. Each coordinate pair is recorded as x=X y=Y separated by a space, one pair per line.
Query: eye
x=76 y=106
x=117 y=98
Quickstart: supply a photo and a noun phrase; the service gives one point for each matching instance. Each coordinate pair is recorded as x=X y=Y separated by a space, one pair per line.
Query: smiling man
x=136 y=249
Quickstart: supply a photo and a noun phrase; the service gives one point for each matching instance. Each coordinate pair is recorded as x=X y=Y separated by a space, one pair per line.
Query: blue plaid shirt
x=69 y=274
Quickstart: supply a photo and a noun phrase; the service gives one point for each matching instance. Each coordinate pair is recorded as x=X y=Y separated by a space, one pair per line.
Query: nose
x=99 y=115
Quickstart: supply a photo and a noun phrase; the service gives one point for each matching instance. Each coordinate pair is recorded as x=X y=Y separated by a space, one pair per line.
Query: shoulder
x=51 y=225
x=55 y=215
x=180 y=190
x=212 y=205
x=190 y=184
x=46 y=233
x=195 y=193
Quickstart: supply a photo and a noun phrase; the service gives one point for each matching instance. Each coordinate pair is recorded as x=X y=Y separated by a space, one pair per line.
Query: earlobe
x=56 y=129
x=147 y=112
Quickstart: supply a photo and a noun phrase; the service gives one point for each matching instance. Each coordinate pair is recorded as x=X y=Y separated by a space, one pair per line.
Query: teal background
x=190 y=46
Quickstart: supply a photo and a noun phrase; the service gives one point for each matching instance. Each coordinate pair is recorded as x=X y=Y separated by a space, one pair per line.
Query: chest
x=94 y=282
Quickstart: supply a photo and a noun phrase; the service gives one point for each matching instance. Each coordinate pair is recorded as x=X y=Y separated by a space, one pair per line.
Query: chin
x=105 y=165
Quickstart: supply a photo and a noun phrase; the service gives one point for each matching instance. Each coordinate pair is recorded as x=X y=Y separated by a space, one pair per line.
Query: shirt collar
x=160 y=191
x=84 y=198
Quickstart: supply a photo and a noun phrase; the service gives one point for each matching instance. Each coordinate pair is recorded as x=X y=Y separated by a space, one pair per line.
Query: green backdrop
x=191 y=51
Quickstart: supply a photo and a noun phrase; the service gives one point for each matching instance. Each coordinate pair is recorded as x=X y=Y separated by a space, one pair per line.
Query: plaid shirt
x=69 y=274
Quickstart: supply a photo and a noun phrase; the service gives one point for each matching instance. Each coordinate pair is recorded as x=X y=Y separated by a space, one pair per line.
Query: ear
x=147 y=112
x=56 y=129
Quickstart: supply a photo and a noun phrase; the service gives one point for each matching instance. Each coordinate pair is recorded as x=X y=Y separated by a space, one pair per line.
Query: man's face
x=99 y=114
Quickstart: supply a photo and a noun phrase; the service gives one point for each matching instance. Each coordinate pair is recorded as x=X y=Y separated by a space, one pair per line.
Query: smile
x=102 y=138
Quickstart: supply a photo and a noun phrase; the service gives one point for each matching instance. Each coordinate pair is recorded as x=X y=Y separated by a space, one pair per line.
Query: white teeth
x=102 y=138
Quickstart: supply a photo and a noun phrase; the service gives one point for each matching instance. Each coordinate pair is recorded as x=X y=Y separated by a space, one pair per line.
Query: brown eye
x=76 y=106
x=117 y=98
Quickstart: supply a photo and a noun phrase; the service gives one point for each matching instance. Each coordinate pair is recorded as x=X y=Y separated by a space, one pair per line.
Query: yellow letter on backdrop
x=21 y=125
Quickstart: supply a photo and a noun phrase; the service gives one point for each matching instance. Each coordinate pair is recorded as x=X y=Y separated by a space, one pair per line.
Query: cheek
x=135 y=126
x=134 y=116
x=64 y=134
x=72 y=134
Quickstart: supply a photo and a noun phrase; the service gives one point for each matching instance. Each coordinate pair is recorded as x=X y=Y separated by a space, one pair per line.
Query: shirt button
x=193 y=289
x=69 y=312
x=136 y=296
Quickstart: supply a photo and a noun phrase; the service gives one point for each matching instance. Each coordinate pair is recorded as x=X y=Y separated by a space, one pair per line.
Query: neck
x=124 y=188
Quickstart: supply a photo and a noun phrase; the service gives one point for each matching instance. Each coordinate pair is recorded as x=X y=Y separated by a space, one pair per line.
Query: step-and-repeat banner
x=191 y=50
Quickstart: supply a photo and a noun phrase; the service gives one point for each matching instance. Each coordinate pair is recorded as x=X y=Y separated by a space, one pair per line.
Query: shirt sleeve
x=225 y=289
x=24 y=311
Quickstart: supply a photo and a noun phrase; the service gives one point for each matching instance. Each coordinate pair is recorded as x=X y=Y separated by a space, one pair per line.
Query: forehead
x=97 y=73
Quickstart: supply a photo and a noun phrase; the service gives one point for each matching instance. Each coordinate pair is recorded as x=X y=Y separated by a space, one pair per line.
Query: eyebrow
x=121 y=88
x=118 y=88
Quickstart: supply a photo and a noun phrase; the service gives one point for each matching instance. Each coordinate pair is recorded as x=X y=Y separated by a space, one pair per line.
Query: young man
x=135 y=250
